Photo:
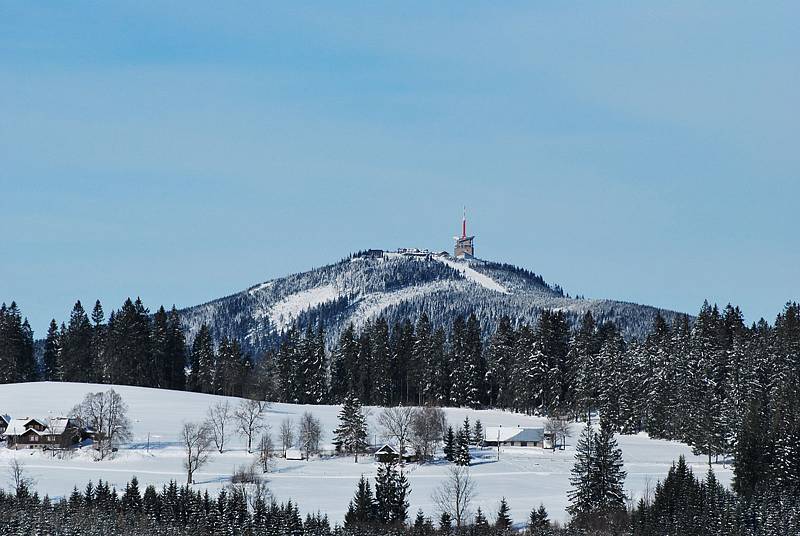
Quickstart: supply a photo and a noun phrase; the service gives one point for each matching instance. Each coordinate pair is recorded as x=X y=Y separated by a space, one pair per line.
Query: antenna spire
x=464 y=224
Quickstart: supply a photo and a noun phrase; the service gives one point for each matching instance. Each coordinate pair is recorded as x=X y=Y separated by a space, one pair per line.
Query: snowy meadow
x=526 y=476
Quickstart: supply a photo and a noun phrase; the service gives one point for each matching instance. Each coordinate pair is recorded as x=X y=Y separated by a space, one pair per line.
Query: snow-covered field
x=525 y=476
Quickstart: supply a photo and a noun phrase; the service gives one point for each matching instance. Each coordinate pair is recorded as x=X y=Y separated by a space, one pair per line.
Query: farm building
x=510 y=436
x=390 y=453
x=31 y=433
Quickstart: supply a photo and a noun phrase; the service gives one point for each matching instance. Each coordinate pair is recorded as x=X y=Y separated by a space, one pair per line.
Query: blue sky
x=182 y=151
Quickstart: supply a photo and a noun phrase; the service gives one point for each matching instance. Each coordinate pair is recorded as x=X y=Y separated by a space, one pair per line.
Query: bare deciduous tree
x=396 y=423
x=428 y=425
x=266 y=449
x=249 y=421
x=454 y=496
x=107 y=415
x=219 y=415
x=287 y=434
x=21 y=482
x=309 y=431
x=559 y=427
x=196 y=441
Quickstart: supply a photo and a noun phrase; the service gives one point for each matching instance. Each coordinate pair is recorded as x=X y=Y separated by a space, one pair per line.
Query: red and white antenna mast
x=464 y=224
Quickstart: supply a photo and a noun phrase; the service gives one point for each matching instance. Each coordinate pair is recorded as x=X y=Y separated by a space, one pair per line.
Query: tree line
x=682 y=504
x=713 y=382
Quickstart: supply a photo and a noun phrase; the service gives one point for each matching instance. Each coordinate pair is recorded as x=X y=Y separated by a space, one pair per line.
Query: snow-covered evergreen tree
x=350 y=436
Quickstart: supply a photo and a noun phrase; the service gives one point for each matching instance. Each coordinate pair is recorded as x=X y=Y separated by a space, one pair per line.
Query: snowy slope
x=473 y=275
x=526 y=477
x=286 y=311
x=398 y=286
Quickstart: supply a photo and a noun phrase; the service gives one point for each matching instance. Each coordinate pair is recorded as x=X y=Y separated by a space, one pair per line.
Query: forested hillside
x=396 y=286
x=729 y=390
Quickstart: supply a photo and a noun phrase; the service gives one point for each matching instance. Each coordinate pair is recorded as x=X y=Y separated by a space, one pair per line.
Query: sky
x=183 y=151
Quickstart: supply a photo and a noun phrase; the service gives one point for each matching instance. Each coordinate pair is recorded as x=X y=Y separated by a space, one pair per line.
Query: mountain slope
x=400 y=285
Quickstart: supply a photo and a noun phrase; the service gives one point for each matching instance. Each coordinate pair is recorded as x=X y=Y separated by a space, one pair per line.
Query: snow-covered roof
x=55 y=426
x=17 y=426
x=58 y=425
x=512 y=433
x=392 y=449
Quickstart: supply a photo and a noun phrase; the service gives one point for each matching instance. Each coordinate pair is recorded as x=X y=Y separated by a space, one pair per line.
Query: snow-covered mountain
x=400 y=285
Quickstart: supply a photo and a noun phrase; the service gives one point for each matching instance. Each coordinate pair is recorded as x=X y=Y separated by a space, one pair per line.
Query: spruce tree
x=202 y=361
x=344 y=363
x=538 y=521
x=176 y=352
x=381 y=366
x=76 y=347
x=160 y=360
x=582 y=496
x=608 y=476
x=422 y=371
x=480 y=519
x=129 y=345
x=459 y=377
x=582 y=350
x=462 y=455
x=477 y=394
x=597 y=497
x=98 y=348
x=51 y=367
x=450 y=448
x=131 y=500
x=503 y=521
x=318 y=368
x=445 y=523
x=500 y=363
x=477 y=433
x=366 y=369
x=351 y=435
x=362 y=507
x=391 y=494
x=439 y=369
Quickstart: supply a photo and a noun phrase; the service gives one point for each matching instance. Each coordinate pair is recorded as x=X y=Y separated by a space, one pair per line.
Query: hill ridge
x=400 y=284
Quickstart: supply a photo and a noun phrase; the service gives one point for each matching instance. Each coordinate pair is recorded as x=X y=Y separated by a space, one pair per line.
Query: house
x=390 y=453
x=4 y=420
x=31 y=433
x=24 y=433
x=515 y=436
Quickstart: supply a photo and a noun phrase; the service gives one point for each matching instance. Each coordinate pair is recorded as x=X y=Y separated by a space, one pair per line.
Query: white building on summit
x=464 y=247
